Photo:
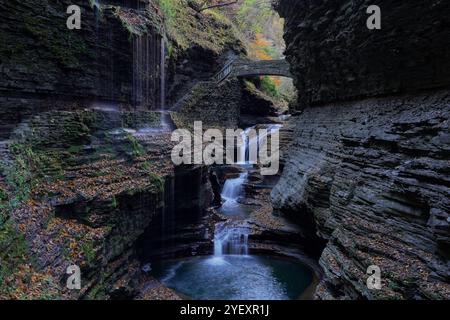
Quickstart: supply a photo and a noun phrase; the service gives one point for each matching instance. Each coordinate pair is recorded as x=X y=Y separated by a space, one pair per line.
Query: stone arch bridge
x=252 y=68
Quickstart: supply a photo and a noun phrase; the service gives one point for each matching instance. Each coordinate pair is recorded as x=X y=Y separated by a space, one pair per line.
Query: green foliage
x=88 y=252
x=28 y=167
x=185 y=27
x=75 y=149
x=157 y=181
x=269 y=87
x=17 y=176
x=114 y=203
x=168 y=7
x=99 y=290
x=141 y=120
x=253 y=15
x=12 y=250
x=135 y=147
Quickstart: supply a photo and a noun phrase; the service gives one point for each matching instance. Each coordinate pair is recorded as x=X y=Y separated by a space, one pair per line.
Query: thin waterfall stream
x=165 y=118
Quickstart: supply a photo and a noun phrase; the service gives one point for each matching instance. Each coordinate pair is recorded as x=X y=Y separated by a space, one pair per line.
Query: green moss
x=99 y=291
x=12 y=251
x=64 y=45
x=65 y=251
x=157 y=181
x=133 y=146
x=114 y=203
x=133 y=28
x=141 y=119
x=88 y=252
x=75 y=149
x=28 y=168
x=3 y=196
x=145 y=165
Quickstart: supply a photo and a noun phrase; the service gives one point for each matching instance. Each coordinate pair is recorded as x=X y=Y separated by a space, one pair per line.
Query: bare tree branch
x=218 y=5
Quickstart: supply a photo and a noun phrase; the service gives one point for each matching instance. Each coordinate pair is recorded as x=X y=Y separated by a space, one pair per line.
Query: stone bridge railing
x=225 y=71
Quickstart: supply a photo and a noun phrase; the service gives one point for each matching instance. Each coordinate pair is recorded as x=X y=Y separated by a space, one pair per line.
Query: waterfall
x=230 y=239
x=244 y=146
x=253 y=141
x=165 y=119
x=234 y=187
x=163 y=75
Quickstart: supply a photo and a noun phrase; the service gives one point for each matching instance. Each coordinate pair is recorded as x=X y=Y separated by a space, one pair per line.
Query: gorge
x=87 y=176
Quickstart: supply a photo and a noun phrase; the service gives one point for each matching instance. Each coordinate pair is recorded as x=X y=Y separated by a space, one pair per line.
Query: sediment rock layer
x=334 y=56
x=374 y=176
x=93 y=189
x=370 y=173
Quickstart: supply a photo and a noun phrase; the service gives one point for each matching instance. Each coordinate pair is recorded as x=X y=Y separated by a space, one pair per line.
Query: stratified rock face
x=372 y=174
x=97 y=182
x=216 y=106
x=115 y=57
x=334 y=56
x=375 y=176
x=182 y=229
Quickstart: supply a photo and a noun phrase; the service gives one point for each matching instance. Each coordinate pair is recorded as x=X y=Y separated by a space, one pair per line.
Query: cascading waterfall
x=230 y=239
x=244 y=146
x=253 y=142
x=232 y=273
x=233 y=188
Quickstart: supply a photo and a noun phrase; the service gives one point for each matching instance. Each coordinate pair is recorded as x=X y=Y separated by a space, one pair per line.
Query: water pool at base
x=235 y=277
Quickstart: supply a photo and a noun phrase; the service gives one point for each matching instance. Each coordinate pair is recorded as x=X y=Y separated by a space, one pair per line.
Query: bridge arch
x=251 y=68
x=242 y=68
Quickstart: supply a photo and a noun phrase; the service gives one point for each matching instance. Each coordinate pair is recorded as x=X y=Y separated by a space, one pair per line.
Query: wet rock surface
x=373 y=176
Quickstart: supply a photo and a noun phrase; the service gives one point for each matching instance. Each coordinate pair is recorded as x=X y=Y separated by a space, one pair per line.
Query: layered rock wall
x=371 y=172
x=334 y=56
x=92 y=190
x=114 y=58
